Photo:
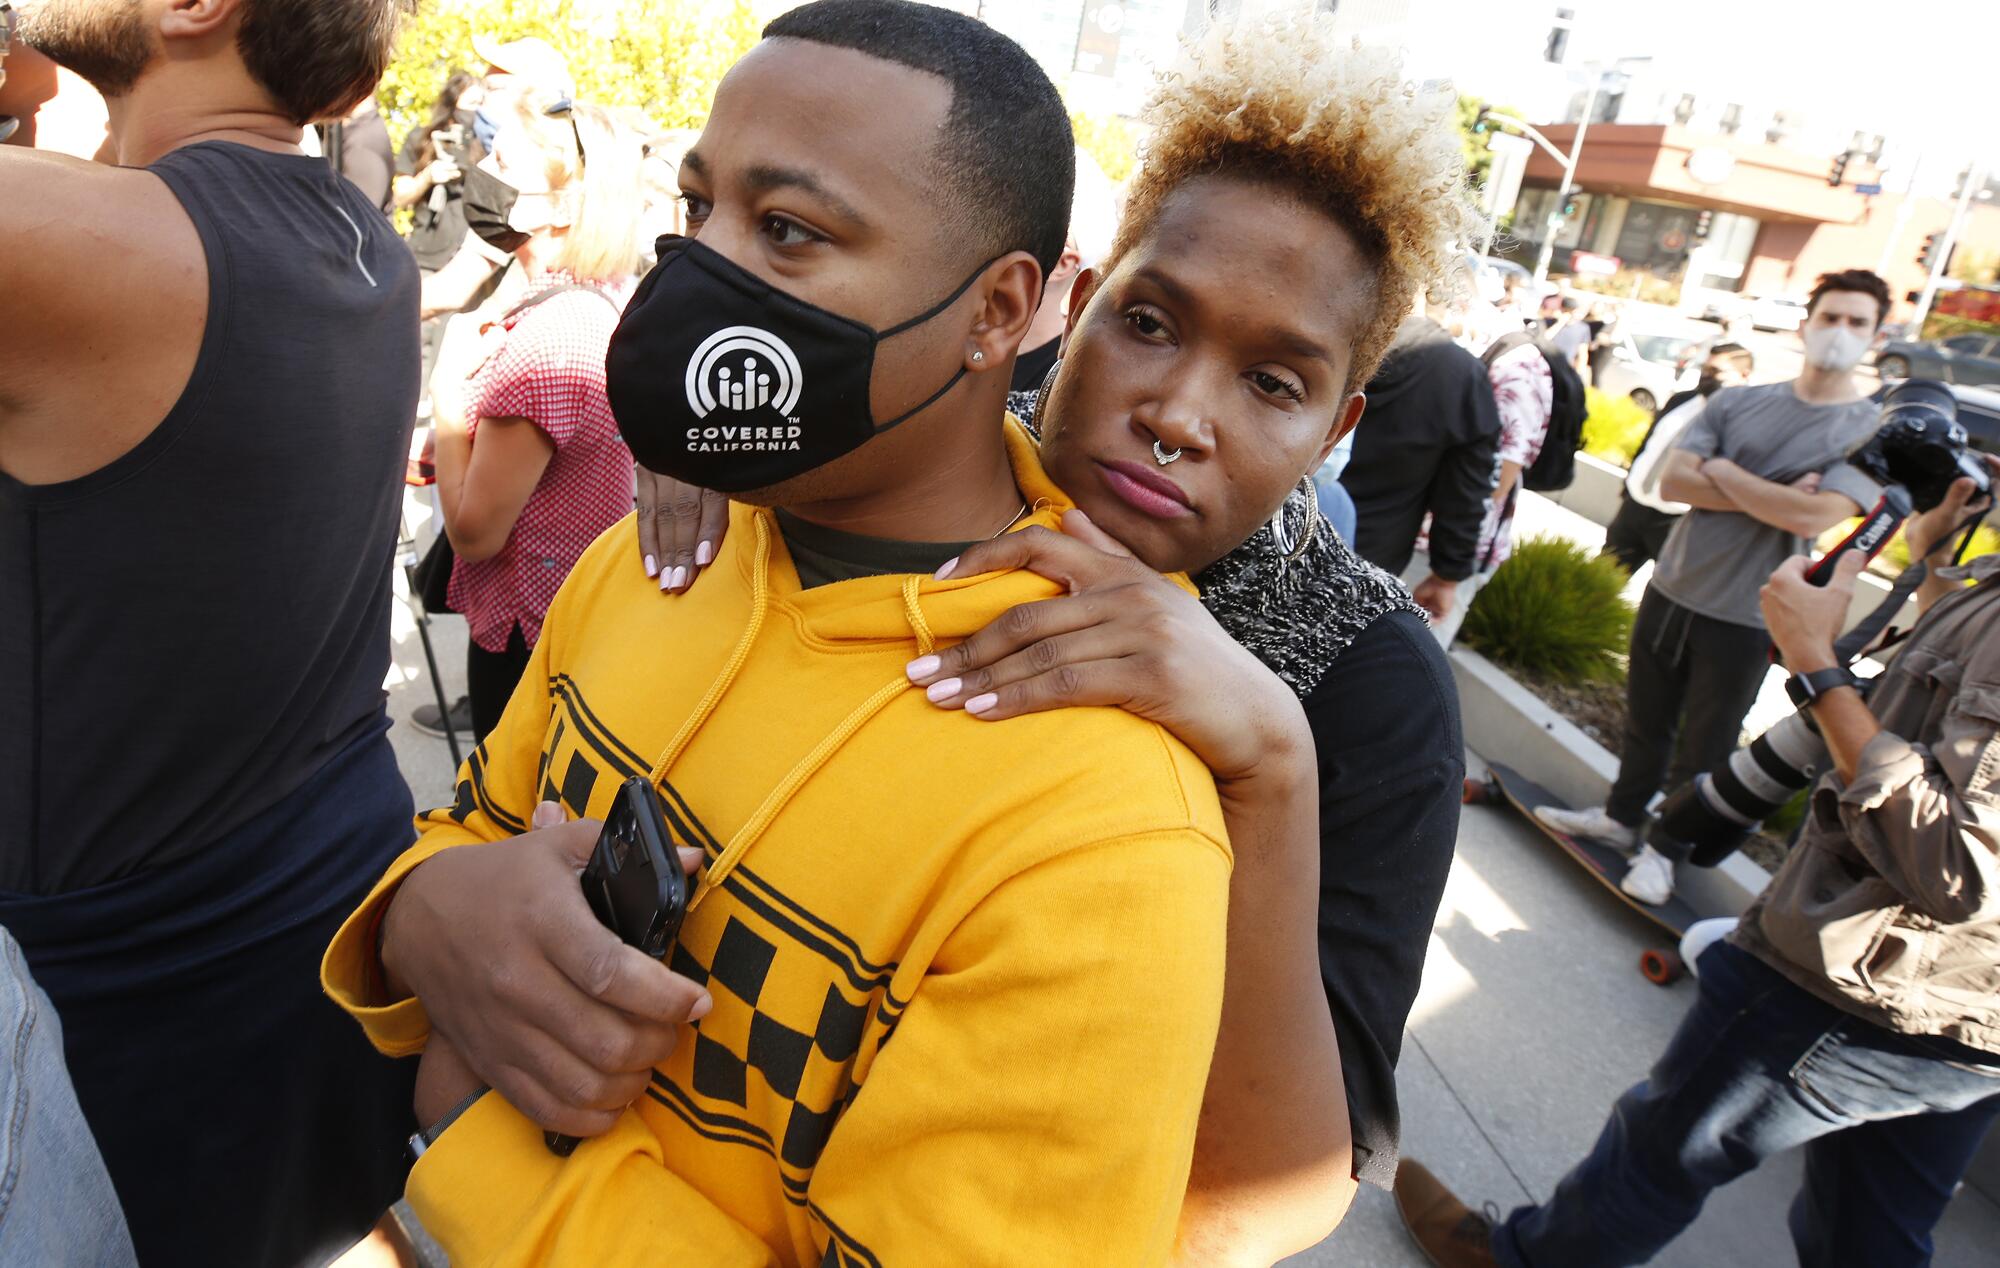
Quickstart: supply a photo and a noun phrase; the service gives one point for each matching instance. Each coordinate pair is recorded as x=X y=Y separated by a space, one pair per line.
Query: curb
x=1502 y=716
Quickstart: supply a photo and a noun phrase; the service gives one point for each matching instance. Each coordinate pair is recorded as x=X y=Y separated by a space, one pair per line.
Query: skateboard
x=1605 y=865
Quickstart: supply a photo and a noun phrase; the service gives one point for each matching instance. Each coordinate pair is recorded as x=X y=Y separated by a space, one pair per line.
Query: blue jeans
x=1889 y=1122
x=56 y=1202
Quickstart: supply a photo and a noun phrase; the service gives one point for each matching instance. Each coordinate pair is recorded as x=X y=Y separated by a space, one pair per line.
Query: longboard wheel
x=1481 y=792
x=1662 y=968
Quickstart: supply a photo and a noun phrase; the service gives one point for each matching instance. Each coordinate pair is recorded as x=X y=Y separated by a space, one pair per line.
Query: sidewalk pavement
x=1533 y=1018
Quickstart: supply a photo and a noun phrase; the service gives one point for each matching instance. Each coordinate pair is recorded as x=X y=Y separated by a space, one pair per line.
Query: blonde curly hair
x=1280 y=101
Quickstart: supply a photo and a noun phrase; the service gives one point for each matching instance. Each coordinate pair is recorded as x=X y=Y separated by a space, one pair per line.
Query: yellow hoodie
x=966 y=975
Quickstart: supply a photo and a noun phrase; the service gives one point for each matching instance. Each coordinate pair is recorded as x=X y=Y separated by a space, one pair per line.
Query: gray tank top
x=188 y=634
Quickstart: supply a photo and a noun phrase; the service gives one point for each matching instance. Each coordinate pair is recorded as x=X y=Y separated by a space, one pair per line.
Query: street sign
x=1874 y=188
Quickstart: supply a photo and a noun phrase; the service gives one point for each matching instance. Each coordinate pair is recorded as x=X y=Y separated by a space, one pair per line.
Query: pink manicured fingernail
x=652 y=566
x=703 y=554
x=666 y=578
x=701 y=1007
x=939 y=692
x=950 y=566
x=680 y=577
x=980 y=704
x=922 y=667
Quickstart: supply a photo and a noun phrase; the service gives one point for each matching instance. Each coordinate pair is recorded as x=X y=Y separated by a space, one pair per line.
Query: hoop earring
x=1281 y=532
x=1034 y=419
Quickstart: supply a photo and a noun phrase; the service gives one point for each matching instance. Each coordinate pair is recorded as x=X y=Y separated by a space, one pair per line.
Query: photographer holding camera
x=1856 y=1009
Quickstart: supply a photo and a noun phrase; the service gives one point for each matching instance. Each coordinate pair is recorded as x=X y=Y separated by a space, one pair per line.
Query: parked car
x=1650 y=366
x=1777 y=312
x=1971 y=358
x=1979 y=414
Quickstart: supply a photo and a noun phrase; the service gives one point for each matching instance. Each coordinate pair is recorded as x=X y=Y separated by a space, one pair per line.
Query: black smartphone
x=634 y=885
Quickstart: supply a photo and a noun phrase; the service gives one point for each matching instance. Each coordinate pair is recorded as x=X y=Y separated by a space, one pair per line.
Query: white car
x=1651 y=366
x=1777 y=312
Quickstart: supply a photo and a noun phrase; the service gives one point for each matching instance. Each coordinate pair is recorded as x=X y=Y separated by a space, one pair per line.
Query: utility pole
x=1975 y=179
x=1555 y=219
x=1902 y=216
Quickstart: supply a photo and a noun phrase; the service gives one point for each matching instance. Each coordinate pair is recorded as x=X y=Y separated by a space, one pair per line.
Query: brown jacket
x=1889 y=906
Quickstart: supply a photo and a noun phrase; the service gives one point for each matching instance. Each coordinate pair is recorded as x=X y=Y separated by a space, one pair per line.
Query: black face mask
x=1707 y=384
x=488 y=201
x=721 y=380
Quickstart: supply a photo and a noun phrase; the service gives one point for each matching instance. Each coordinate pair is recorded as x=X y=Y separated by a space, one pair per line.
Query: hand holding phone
x=634 y=885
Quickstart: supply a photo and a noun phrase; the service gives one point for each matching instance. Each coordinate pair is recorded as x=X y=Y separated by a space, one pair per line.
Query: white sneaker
x=1591 y=825
x=1650 y=879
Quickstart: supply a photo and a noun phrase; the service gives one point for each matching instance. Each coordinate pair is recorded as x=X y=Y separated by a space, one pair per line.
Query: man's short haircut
x=318 y=58
x=1336 y=127
x=1735 y=354
x=1860 y=281
x=1006 y=162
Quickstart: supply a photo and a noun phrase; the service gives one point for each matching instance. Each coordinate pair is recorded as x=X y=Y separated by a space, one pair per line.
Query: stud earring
x=978 y=355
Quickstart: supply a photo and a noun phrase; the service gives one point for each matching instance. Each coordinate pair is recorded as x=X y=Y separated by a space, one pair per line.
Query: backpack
x=1555 y=467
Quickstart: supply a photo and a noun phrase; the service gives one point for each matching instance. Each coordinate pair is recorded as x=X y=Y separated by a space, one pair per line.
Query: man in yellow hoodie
x=947 y=992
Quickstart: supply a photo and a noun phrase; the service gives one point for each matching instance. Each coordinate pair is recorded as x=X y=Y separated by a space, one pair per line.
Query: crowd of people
x=1066 y=801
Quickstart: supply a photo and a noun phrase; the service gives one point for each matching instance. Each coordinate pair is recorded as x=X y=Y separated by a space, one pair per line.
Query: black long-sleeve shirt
x=1425 y=445
x=1391 y=757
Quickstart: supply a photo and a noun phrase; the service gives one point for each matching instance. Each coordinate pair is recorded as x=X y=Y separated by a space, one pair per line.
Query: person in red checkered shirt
x=530 y=466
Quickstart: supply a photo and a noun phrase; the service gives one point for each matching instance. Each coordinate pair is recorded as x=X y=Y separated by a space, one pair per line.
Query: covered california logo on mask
x=742 y=370
x=721 y=380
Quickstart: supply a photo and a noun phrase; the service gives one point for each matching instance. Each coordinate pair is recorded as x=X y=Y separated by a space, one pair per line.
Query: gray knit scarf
x=1294 y=615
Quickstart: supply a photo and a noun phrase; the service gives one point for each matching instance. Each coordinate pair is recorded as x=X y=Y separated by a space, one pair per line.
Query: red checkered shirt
x=547 y=367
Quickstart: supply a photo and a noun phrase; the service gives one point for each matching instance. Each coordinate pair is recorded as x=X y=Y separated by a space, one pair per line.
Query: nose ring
x=1164 y=455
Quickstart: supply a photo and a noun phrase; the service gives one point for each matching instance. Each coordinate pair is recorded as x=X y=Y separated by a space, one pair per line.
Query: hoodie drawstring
x=760 y=602
x=753 y=828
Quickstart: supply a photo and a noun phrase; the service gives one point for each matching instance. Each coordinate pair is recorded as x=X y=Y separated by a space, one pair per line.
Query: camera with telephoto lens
x=1915 y=455
x=1920 y=445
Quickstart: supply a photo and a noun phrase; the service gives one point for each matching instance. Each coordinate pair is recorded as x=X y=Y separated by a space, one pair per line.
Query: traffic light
x=1927 y=258
x=1569 y=208
x=1839 y=170
x=1480 y=123
x=1558 y=41
x=1704 y=220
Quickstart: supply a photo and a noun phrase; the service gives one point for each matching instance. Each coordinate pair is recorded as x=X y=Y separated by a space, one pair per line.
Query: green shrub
x=1614 y=428
x=1554 y=611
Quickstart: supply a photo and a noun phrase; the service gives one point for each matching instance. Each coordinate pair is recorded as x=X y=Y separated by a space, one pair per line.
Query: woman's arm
x=411 y=188
x=483 y=488
x=1273 y=1167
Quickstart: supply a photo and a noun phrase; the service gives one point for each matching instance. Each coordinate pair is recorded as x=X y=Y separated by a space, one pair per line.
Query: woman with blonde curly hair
x=1292 y=200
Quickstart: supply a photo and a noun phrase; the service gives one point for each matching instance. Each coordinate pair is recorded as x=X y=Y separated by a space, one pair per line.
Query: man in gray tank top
x=206 y=390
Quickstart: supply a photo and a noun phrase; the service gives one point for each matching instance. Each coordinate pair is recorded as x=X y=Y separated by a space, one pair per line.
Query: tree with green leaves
x=1473 y=144
x=662 y=58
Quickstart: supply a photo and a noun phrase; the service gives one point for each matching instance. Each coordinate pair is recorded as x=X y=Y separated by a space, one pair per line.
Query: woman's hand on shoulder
x=680 y=528
x=1124 y=636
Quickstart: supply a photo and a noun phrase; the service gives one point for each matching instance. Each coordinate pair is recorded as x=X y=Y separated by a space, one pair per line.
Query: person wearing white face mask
x=1764 y=469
